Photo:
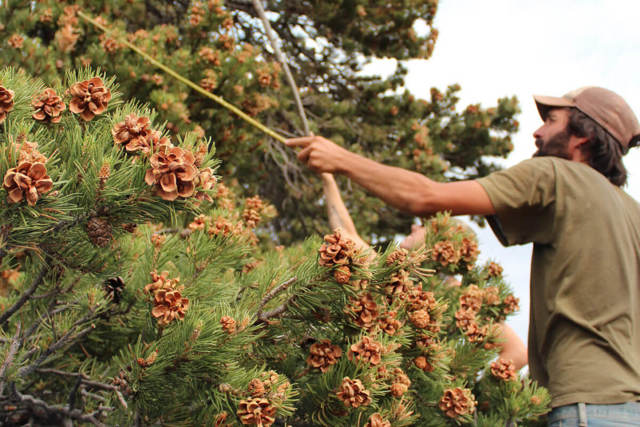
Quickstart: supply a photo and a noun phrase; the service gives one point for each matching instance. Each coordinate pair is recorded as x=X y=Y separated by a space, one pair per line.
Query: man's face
x=552 y=138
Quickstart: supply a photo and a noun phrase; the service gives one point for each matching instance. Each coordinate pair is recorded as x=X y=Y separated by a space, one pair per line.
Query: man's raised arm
x=408 y=191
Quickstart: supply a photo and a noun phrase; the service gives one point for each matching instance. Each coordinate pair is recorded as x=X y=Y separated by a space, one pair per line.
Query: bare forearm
x=336 y=210
x=400 y=188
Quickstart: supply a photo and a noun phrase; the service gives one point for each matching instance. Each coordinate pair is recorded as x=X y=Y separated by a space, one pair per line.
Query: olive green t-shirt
x=584 y=329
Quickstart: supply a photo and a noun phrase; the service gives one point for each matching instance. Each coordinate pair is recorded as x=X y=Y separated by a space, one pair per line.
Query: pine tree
x=139 y=290
x=221 y=46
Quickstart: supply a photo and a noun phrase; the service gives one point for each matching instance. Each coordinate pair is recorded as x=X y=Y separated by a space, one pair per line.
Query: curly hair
x=604 y=152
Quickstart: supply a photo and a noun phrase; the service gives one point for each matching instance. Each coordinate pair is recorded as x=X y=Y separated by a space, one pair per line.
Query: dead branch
x=25 y=296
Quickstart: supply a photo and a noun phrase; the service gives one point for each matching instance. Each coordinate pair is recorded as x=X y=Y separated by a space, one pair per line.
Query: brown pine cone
x=337 y=250
x=504 y=370
x=159 y=281
x=389 y=323
x=464 y=318
x=421 y=362
x=495 y=270
x=352 y=393
x=420 y=300
x=342 y=274
x=366 y=350
x=491 y=295
x=114 y=287
x=445 y=253
x=399 y=284
x=133 y=133
x=47 y=106
x=398 y=256
x=323 y=355
x=89 y=98
x=168 y=306
x=469 y=251
x=256 y=411
x=420 y=318
x=457 y=401
x=99 y=231
x=16 y=41
x=256 y=388
x=27 y=181
x=6 y=102
x=363 y=311
x=510 y=305
x=173 y=173
x=376 y=420
x=228 y=324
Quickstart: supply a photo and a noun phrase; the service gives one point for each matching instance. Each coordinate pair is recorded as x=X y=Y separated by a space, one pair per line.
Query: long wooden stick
x=189 y=83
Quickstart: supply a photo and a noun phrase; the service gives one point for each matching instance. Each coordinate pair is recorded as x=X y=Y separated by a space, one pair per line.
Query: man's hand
x=320 y=154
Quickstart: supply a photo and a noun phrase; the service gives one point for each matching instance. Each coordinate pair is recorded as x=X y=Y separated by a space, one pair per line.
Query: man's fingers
x=303 y=155
x=300 y=142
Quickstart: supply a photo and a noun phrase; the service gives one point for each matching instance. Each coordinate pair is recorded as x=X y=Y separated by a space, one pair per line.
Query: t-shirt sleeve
x=524 y=199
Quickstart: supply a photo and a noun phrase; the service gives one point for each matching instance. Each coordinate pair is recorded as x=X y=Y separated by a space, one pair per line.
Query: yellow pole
x=189 y=83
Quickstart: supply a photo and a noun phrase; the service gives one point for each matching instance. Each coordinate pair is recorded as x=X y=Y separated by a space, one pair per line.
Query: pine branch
x=275 y=292
x=88 y=382
x=64 y=340
x=58 y=410
x=25 y=296
x=264 y=317
x=13 y=349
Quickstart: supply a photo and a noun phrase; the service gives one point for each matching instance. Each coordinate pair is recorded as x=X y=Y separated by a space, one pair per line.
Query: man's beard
x=556 y=146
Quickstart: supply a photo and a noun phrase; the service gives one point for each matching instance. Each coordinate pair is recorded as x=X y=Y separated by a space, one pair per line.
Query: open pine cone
x=504 y=370
x=323 y=354
x=47 y=106
x=457 y=401
x=256 y=411
x=27 y=181
x=337 y=250
x=168 y=306
x=366 y=350
x=363 y=310
x=376 y=420
x=133 y=133
x=6 y=102
x=89 y=98
x=173 y=173
x=353 y=394
x=99 y=231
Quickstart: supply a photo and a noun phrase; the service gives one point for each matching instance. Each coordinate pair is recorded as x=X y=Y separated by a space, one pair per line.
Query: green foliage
x=221 y=46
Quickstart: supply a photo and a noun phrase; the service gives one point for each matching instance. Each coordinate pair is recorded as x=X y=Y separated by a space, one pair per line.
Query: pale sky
x=498 y=48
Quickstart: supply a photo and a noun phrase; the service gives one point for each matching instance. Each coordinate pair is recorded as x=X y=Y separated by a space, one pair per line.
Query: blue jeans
x=581 y=415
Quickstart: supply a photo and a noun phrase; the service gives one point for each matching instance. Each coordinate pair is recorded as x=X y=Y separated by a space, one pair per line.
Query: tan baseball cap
x=605 y=107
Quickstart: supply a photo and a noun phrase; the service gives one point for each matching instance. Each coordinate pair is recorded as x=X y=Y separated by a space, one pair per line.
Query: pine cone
x=491 y=295
x=464 y=318
x=221 y=226
x=445 y=253
x=398 y=256
x=173 y=173
x=6 y=102
x=352 y=393
x=114 y=287
x=366 y=350
x=472 y=298
x=336 y=250
x=363 y=310
x=256 y=388
x=342 y=274
x=228 y=324
x=495 y=270
x=323 y=355
x=199 y=222
x=16 y=41
x=47 y=106
x=256 y=411
x=457 y=401
x=420 y=318
x=221 y=420
x=27 y=181
x=159 y=281
x=510 y=305
x=209 y=55
x=205 y=181
x=399 y=284
x=99 y=231
x=89 y=98
x=376 y=420
x=389 y=323
x=421 y=362
x=169 y=305
x=66 y=38
x=133 y=133
x=504 y=370
x=469 y=251
x=475 y=332
x=418 y=299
